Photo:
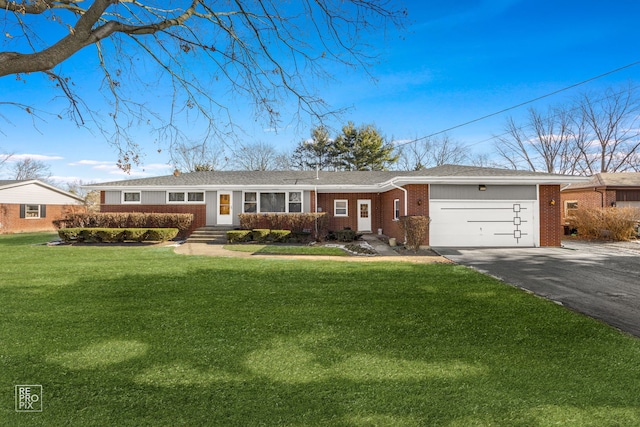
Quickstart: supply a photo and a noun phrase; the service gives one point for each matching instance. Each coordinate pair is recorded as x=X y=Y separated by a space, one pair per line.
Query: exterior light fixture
x=482 y=187
x=552 y=202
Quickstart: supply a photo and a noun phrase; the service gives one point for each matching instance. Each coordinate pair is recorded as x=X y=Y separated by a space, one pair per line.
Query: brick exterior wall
x=587 y=198
x=551 y=230
x=10 y=221
x=417 y=204
x=198 y=211
x=325 y=202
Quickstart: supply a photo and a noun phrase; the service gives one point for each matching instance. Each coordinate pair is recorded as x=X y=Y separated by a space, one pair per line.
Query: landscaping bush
x=260 y=235
x=415 y=229
x=279 y=236
x=127 y=220
x=113 y=235
x=295 y=222
x=346 y=235
x=605 y=223
x=238 y=236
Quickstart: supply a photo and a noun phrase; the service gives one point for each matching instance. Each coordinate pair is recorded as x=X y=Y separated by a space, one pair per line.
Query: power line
x=523 y=103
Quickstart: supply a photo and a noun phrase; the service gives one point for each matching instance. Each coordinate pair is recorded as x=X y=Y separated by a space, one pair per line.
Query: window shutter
x=22 y=210
x=43 y=211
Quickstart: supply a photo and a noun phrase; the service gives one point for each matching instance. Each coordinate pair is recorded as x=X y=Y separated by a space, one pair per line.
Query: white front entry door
x=364 y=215
x=225 y=208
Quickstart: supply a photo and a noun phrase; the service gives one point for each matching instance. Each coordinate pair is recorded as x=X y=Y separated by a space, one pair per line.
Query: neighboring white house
x=32 y=205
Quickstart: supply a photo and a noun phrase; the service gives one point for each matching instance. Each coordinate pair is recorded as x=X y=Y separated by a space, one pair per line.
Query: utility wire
x=522 y=103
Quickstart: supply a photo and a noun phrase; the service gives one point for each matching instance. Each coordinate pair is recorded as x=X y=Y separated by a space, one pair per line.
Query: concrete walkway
x=385 y=253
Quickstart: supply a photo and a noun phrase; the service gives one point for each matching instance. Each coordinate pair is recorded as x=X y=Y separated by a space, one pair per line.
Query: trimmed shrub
x=161 y=234
x=415 y=229
x=605 y=223
x=113 y=235
x=127 y=220
x=279 y=236
x=346 y=235
x=287 y=221
x=260 y=235
x=250 y=221
x=238 y=236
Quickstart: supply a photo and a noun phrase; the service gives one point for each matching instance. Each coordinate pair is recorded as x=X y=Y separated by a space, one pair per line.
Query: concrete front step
x=209 y=234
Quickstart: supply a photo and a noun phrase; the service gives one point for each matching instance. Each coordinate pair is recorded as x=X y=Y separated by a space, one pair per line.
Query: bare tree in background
x=594 y=134
x=29 y=168
x=259 y=156
x=197 y=157
x=91 y=197
x=545 y=143
x=609 y=140
x=431 y=152
x=267 y=53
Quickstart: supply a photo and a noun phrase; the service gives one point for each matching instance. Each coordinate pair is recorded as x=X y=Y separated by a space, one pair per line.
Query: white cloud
x=39 y=157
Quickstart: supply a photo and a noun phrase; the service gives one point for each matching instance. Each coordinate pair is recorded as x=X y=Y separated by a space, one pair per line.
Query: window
x=131 y=197
x=570 y=206
x=396 y=209
x=295 y=201
x=273 y=202
x=182 y=197
x=195 y=197
x=32 y=211
x=267 y=202
x=175 y=197
x=250 y=202
x=341 y=208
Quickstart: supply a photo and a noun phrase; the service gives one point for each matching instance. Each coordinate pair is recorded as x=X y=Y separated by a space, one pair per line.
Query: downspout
x=406 y=202
x=315 y=194
x=601 y=196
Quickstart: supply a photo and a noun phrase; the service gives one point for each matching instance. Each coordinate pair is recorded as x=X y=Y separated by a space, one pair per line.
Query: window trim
x=26 y=210
x=396 y=209
x=185 y=195
x=566 y=207
x=346 y=207
x=287 y=201
x=131 y=201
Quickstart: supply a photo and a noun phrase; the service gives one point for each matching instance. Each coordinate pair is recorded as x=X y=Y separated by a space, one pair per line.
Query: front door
x=364 y=215
x=225 y=209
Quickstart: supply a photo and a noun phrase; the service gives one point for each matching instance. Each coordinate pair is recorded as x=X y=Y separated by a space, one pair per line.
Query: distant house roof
x=340 y=180
x=619 y=180
x=12 y=183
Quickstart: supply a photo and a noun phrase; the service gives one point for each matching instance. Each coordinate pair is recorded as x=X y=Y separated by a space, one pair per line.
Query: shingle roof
x=619 y=179
x=328 y=178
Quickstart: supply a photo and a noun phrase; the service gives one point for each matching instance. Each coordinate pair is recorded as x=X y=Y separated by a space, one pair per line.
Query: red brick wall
x=417 y=204
x=10 y=221
x=588 y=198
x=551 y=230
x=325 y=202
x=198 y=211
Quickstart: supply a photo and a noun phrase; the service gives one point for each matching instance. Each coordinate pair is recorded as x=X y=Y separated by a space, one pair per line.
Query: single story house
x=32 y=205
x=468 y=206
x=602 y=190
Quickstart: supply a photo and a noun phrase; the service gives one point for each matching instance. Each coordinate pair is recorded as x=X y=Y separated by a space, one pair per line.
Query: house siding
x=491 y=192
x=551 y=230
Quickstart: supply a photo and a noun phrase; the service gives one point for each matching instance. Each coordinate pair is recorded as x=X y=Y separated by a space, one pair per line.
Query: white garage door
x=482 y=223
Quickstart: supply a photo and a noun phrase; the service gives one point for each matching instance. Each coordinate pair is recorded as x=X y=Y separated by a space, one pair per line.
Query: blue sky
x=455 y=63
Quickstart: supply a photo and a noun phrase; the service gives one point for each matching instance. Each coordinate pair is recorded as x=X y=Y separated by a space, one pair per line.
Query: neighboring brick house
x=32 y=205
x=602 y=190
x=468 y=206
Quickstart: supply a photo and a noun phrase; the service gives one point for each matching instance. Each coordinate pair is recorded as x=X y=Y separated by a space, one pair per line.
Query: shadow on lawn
x=281 y=345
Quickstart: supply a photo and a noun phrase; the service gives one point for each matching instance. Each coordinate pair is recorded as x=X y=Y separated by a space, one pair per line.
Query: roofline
x=382 y=186
x=43 y=184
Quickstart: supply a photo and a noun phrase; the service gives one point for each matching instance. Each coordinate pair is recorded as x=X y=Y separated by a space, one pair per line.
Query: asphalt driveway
x=601 y=280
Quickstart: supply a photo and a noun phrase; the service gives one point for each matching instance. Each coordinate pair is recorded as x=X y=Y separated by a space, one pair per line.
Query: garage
x=479 y=216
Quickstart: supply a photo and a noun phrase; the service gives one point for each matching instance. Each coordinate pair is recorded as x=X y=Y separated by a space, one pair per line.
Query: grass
x=136 y=336
x=287 y=250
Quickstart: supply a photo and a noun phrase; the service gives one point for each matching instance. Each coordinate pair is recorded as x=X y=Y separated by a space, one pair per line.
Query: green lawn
x=274 y=249
x=136 y=336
